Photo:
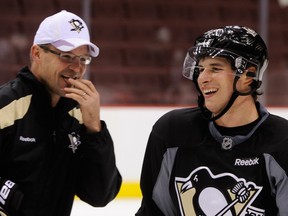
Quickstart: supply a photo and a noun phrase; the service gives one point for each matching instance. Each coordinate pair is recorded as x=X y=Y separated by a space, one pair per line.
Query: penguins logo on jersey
x=204 y=194
x=74 y=141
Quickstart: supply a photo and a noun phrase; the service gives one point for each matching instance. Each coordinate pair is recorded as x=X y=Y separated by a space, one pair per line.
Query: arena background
x=142 y=47
x=143 y=43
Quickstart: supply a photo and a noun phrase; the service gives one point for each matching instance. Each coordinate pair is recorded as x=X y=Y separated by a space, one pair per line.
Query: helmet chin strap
x=207 y=113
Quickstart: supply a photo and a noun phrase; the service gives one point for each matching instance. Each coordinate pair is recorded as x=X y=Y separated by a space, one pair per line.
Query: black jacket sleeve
x=99 y=180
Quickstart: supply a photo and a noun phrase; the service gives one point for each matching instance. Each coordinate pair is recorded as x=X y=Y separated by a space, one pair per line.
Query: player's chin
x=212 y=108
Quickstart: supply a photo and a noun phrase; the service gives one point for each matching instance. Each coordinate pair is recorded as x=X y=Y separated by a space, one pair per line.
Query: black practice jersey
x=191 y=168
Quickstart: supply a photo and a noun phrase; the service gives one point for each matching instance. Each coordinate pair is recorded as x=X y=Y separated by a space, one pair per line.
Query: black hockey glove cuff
x=10 y=196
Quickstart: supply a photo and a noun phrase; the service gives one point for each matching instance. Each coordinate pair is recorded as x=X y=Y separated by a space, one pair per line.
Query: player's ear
x=245 y=81
x=249 y=75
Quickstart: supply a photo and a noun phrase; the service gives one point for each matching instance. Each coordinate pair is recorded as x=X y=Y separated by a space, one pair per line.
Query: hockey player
x=53 y=144
x=228 y=156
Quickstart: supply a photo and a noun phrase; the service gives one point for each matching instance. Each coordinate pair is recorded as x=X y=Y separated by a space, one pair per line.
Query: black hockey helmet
x=242 y=46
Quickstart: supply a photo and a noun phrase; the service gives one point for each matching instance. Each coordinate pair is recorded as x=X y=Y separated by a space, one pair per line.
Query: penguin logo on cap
x=77 y=25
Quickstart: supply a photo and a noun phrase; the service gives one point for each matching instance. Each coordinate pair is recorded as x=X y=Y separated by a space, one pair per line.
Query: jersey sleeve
x=155 y=150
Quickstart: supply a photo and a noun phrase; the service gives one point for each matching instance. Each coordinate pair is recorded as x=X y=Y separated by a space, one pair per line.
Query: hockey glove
x=10 y=197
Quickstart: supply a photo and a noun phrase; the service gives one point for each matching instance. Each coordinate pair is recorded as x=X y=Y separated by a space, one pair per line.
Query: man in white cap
x=53 y=144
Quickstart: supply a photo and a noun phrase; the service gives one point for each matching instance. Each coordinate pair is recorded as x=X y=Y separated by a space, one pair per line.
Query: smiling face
x=49 y=69
x=216 y=82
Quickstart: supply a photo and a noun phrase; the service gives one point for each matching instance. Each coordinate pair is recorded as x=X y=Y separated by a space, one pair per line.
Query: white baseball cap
x=65 y=31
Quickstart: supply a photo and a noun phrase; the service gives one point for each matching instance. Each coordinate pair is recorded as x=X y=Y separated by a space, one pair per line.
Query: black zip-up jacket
x=49 y=155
